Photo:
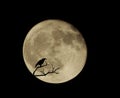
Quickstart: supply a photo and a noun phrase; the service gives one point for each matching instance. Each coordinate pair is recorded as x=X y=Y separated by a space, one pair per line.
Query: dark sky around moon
x=87 y=22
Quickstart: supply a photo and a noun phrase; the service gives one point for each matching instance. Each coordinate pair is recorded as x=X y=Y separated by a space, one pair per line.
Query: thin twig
x=39 y=67
x=35 y=70
x=49 y=72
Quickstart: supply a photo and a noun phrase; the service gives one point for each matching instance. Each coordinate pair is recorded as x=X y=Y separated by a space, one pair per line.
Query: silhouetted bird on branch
x=40 y=62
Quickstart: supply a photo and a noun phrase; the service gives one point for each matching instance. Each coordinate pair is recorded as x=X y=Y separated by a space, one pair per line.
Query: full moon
x=54 y=51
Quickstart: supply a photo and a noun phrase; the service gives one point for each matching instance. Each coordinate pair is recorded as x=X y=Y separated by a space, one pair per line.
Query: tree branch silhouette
x=39 y=67
x=54 y=70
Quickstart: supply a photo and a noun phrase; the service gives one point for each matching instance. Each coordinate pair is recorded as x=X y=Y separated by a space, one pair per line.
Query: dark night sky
x=87 y=20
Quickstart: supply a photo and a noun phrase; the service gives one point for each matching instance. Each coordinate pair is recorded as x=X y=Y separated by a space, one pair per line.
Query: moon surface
x=63 y=46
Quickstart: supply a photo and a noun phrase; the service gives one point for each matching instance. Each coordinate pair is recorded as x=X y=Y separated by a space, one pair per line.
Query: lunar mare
x=63 y=46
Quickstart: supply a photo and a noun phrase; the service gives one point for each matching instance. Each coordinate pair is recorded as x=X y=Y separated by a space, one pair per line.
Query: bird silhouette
x=40 y=62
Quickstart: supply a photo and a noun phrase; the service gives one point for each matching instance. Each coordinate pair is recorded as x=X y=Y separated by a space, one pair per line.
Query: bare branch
x=53 y=70
x=56 y=70
x=35 y=70
x=49 y=72
x=41 y=75
x=39 y=67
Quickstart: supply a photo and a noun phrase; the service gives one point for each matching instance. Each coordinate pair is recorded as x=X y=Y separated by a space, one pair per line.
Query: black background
x=87 y=19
